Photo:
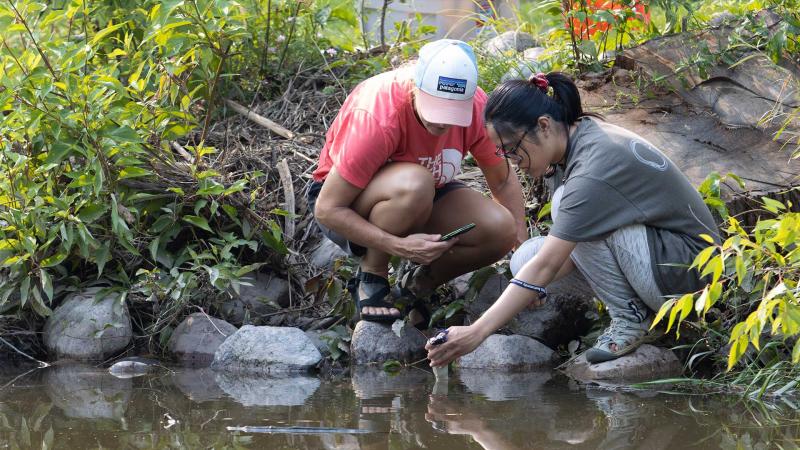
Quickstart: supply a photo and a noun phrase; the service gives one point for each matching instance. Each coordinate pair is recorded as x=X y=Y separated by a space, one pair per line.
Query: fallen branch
x=42 y=364
x=288 y=194
x=259 y=119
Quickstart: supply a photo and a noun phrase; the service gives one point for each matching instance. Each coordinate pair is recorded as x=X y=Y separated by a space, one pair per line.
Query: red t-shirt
x=377 y=125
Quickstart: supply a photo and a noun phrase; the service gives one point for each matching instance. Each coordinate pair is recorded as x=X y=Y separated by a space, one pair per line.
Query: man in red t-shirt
x=385 y=183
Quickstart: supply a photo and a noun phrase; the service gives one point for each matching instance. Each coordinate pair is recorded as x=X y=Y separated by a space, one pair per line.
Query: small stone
x=460 y=285
x=266 y=350
x=530 y=64
x=721 y=18
x=500 y=352
x=326 y=254
x=646 y=363
x=376 y=342
x=197 y=338
x=88 y=326
x=509 y=41
x=267 y=293
x=622 y=76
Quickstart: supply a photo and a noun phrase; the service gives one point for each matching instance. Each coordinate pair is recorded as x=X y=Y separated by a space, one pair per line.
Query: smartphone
x=457 y=232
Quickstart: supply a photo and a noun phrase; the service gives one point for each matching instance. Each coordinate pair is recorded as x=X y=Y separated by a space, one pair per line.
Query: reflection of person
x=453 y=418
x=624 y=216
x=385 y=184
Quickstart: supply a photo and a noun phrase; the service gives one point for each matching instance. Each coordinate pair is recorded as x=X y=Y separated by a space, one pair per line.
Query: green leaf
x=133 y=172
x=91 y=212
x=105 y=32
x=197 y=221
x=54 y=260
x=47 y=284
x=392 y=366
x=24 y=290
x=102 y=256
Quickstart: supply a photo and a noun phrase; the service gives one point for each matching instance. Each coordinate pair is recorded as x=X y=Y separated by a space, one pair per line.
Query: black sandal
x=380 y=297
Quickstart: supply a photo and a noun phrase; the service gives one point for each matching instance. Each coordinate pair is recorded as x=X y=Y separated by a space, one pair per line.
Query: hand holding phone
x=457 y=232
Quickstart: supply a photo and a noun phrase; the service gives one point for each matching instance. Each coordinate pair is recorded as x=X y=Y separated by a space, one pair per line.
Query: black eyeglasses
x=514 y=152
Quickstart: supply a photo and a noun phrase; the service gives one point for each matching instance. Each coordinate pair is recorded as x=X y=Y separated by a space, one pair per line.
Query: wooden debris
x=288 y=194
x=259 y=119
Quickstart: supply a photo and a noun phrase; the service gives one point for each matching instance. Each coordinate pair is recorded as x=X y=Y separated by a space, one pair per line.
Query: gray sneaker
x=626 y=335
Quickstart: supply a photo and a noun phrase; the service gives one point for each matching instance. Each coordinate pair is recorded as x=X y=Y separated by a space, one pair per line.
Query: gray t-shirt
x=615 y=178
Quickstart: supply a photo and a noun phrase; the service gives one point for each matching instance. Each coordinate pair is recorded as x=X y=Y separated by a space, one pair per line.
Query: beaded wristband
x=531 y=287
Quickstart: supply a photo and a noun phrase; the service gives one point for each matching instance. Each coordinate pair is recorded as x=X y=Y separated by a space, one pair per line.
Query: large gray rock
x=262 y=390
x=564 y=317
x=266 y=294
x=646 y=363
x=88 y=326
x=197 y=338
x=500 y=352
x=509 y=42
x=266 y=350
x=326 y=254
x=376 y=342
x=85 y=392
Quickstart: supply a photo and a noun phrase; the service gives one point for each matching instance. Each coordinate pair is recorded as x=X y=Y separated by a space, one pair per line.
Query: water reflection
x=199 y=385
x=253 y=390
x=87 y=408
x=84 y=392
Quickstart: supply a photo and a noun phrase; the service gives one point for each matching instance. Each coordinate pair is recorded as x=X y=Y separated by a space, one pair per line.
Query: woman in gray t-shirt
x=624 y=216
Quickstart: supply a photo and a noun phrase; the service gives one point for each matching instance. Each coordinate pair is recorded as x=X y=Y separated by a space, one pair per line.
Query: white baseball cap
x=446 y=77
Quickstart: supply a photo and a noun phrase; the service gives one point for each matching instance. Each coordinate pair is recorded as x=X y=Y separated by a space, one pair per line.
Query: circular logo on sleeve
x=648 y=155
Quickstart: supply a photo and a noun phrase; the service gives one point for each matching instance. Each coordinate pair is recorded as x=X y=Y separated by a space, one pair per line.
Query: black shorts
x=351 y=248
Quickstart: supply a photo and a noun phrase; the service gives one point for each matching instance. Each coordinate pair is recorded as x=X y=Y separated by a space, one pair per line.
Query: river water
x=81 y=407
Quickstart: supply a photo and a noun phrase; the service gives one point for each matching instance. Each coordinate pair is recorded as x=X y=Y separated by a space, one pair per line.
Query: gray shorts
x=351 y=248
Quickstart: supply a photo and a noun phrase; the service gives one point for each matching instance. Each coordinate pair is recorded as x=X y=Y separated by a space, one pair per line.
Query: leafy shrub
x=107 y=176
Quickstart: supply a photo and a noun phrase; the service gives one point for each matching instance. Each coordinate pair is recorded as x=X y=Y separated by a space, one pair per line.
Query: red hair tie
x=540 y=80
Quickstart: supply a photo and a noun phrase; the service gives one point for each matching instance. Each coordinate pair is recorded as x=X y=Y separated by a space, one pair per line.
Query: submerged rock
x=646 y=363
x=133 y=367
x=266 y=350
x=500 y=352
x=88 y=326
x=198 y=337
x=377 y=342
x=267 y=293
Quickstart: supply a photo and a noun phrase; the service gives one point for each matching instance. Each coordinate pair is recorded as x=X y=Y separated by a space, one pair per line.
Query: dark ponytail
x=517 y=104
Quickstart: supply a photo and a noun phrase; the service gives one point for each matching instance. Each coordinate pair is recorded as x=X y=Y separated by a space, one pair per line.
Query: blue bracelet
x=531 y=287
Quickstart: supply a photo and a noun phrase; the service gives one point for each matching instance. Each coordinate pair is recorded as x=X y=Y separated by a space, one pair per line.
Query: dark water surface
x=81 y=407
